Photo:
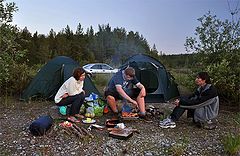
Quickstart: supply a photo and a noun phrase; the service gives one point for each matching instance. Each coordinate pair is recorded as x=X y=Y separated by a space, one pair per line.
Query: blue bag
x=41 y=125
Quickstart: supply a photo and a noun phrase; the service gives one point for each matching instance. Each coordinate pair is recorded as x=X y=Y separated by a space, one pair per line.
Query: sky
x=165 y=23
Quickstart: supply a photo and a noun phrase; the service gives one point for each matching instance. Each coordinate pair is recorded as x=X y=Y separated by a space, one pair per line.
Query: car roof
x=90 y=64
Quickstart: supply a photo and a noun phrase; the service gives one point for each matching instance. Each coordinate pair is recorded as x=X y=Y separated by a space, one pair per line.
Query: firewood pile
x=73 y=129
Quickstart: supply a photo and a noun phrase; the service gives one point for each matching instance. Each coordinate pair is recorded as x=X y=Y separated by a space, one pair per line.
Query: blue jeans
x=75 y=101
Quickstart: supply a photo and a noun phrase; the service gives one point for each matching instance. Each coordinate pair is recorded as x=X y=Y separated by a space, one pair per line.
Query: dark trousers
x=178 y=112
x=75 y=101
x=133 y=93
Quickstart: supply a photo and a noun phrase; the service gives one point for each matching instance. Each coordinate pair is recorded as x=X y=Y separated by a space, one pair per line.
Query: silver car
x=99 y=68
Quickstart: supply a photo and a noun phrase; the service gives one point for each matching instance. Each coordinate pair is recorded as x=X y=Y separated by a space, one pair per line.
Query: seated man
x=118 y=89
x=203 y=105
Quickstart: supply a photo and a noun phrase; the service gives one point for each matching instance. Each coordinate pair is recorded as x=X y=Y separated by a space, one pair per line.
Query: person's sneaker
x=167 y=123
x=165 y=120
x=209 y=125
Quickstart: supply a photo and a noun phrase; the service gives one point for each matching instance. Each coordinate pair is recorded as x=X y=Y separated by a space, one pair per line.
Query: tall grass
x=237 y=119
x=101 y=81
x=231 y=144
x=185 y=80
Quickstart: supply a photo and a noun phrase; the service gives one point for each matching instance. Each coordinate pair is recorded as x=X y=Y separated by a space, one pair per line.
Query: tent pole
x=61 y=74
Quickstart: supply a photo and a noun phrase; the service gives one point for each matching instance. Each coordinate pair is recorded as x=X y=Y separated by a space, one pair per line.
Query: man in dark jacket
x=202 y=105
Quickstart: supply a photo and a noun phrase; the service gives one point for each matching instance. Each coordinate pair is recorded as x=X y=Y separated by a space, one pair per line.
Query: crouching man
x=118 y=89
x=202 y=105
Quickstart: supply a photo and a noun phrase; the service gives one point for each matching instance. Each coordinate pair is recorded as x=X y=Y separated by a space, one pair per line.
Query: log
x=79 y=129
x=66 y=130
x=87 y=132
x=76 y=132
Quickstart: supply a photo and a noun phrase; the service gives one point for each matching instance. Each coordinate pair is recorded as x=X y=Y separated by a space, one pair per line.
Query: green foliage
x=213 y=36
x=13 y=70
x=178 y=61
x=217 y=46
x=226 y=78
x=101 y=81
x=184 y=77
x=6 y=11
x=19 y=48
x=105 y=45
x=13 y=75
x=231 y=144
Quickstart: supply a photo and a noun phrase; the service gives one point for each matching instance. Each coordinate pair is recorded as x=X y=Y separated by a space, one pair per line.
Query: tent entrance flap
x=154 y=76
x=150 y=80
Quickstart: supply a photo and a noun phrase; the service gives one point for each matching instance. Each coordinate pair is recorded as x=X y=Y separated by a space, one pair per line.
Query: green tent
x=51 y=76
x=159 y=83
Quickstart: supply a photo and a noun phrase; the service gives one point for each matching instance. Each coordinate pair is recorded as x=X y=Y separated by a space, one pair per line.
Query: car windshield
x=96 y=67
x=106 y=67
x=87 y=66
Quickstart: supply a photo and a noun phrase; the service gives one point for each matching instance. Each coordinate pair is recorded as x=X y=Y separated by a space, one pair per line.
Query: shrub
x=225 y=78
x=217 y=43
x=13 y=71
x=13 y=78
x=185 y=78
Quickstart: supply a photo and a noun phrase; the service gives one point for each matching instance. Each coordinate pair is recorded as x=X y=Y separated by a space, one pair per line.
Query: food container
x=110 y=123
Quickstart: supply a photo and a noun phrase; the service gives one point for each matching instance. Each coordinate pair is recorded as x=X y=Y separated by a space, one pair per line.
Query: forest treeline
x=215 y=48
x=110 y=45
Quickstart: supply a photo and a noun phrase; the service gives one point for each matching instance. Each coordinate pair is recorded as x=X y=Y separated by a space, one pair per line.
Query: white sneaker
x=167 y=123
x=165 y=120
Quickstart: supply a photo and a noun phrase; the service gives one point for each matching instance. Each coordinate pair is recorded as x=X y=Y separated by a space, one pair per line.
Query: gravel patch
x=187 y=139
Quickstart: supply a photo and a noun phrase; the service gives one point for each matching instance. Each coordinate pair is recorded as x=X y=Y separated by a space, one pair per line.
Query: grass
x=237 y=119
x=231 y=144
x=185 y=79
x=179 y=148
x=101 y=81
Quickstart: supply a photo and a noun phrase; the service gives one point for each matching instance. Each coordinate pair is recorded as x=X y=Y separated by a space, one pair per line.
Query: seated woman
x=203 y=105
x=71 y=93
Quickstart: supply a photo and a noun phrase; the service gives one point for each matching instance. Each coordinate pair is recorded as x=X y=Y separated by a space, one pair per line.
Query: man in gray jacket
x=202 y=105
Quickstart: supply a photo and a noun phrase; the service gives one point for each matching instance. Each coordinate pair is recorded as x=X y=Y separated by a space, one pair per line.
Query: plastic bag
x=95 y=104
x=98 y=110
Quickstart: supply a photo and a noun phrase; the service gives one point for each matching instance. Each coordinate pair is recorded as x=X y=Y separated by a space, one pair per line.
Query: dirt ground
x=185 y=139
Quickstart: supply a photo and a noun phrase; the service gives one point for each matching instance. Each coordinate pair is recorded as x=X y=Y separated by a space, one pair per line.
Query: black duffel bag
x=41 y=125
